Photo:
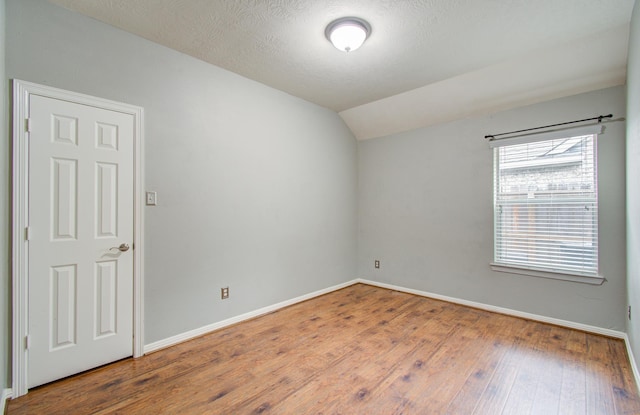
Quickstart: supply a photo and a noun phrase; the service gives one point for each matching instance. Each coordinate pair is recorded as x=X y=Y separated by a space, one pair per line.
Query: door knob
x=122 y=247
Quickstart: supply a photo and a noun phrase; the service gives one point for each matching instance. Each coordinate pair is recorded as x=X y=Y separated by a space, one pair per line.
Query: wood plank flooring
x=361 y=350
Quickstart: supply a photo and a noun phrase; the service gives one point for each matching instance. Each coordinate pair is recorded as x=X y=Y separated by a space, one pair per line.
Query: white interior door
x=81 y=205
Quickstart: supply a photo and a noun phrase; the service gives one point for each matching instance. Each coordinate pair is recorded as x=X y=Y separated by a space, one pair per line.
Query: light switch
x=152 y=198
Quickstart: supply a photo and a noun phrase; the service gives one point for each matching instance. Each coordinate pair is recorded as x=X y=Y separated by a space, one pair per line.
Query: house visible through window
x=546 y=205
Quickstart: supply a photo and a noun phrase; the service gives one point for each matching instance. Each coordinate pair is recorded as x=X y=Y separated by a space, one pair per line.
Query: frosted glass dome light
x=348 y=33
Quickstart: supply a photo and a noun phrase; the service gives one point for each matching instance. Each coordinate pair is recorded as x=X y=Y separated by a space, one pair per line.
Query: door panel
x=63 y=306
x=80 y=211
x=106 y=200
x=106 y=277
x=64 y=194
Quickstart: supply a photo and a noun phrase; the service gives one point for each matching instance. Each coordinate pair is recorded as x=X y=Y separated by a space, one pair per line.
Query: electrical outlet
x=152 y=198
x=224 y=293
x=376 y=263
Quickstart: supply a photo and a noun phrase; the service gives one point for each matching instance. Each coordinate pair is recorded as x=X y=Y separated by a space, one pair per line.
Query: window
x=546 y=205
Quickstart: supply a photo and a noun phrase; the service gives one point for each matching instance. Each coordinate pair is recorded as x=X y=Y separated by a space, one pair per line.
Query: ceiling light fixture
x=348 y=33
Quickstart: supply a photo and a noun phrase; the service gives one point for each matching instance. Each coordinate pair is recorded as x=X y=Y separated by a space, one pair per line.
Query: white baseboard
x=6 y=395
x=179 y=338
x=501 y=310
x=161 y=344
x=632 y=361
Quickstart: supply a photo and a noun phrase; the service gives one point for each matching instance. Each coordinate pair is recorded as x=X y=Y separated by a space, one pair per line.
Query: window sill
x=597 y=280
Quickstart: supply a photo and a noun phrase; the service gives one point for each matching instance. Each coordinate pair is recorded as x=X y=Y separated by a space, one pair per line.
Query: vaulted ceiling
x=425 y=62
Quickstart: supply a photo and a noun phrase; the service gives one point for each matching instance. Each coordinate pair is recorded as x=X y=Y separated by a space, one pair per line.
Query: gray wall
x=256 y=188
x=5 y=220
x=633 y=181
x=426 y=212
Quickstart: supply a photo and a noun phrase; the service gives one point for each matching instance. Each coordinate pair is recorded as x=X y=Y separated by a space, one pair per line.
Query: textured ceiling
x=413 y=43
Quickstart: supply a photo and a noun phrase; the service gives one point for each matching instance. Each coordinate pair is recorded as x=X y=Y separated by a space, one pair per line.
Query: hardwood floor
x=361 y=350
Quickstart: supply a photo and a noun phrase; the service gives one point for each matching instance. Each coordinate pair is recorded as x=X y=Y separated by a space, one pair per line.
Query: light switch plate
x=152 y=198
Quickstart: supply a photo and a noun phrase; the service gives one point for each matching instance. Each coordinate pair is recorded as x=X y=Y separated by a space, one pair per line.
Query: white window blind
x=546 y=204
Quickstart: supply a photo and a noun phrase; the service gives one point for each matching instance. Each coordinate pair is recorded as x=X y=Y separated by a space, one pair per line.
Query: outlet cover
x=152 y=198
x=224 y=293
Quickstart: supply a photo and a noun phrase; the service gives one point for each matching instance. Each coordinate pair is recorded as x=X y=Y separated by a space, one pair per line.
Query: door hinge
x=27 y=125
x=27 y=342
x=27 y=233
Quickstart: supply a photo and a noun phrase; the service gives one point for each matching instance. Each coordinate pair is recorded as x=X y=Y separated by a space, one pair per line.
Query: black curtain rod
x=599 y=118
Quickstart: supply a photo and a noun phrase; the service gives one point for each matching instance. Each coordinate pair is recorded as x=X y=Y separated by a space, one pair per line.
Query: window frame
x=523 y=269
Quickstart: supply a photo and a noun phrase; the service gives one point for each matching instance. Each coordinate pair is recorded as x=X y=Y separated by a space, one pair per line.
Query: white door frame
x=20 y=270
